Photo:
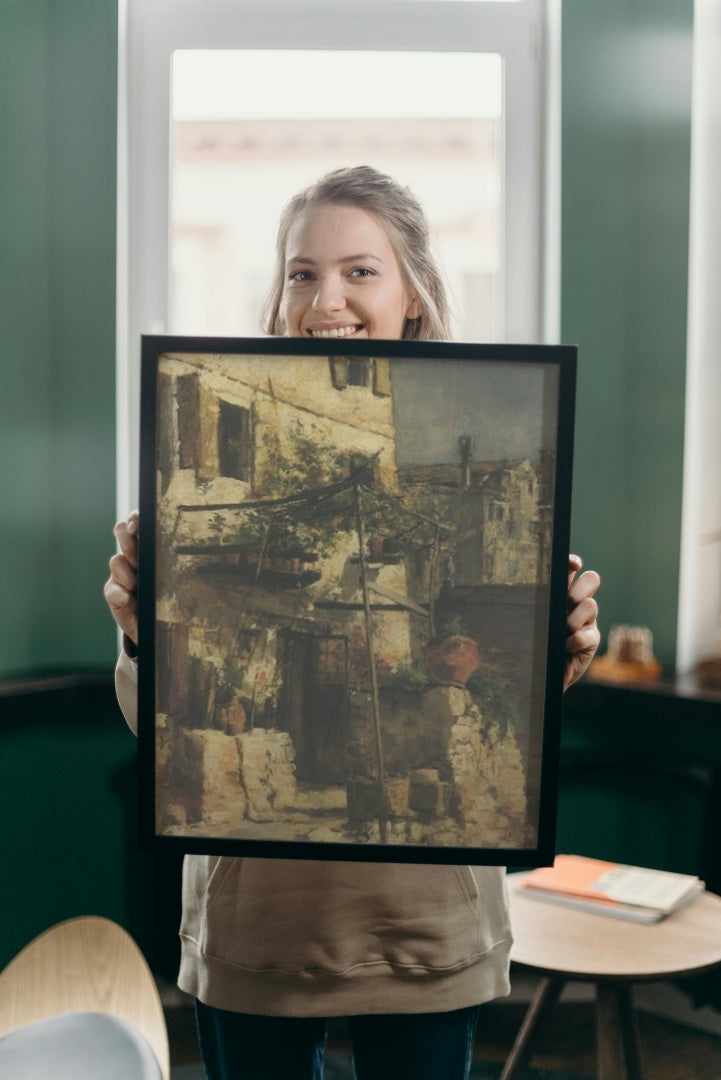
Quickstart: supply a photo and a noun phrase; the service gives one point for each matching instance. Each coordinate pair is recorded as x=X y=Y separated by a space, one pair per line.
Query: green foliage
x=407 y=678
x=230 y=683
x=250 y=529
x=224 y=694
x=234 y=673
x=302 y=459
x=450 y=627
x=217 y=525
x=493 y=698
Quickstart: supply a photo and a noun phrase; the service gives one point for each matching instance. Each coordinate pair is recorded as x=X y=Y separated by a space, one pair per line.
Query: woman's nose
x=329 y=296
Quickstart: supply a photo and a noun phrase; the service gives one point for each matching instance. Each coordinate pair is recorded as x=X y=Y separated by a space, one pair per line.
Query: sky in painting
x=507 y=408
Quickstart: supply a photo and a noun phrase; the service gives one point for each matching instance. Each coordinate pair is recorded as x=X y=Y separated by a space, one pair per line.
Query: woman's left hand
x=583 y=636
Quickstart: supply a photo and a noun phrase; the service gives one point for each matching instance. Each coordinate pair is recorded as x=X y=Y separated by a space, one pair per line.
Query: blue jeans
x=414 y=1046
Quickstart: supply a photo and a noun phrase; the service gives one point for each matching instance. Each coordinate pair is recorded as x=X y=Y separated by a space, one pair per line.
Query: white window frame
x=699 y=596
x=526 y=34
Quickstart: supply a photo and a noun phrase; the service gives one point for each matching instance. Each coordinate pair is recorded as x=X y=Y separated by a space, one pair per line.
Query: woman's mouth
x=334 y=331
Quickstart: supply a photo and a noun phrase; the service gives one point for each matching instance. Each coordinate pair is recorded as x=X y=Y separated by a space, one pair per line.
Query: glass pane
x=466 y=1
x=250 y=128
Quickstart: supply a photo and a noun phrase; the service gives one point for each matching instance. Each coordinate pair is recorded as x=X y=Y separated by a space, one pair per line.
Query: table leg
x=617 y=1033
x=545 y=997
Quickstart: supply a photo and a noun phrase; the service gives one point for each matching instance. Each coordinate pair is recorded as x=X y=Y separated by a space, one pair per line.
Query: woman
x=271 y=948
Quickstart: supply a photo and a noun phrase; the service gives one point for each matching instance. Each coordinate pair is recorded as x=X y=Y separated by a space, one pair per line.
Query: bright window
x=227 y=107
x=236 y=159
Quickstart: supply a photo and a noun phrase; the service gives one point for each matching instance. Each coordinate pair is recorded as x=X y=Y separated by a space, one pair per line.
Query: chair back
x=87 y=964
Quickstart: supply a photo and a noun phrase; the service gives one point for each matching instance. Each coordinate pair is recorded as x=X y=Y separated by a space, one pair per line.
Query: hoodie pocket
x=295 y=916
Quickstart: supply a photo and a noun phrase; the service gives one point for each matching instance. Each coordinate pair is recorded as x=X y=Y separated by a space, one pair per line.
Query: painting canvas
x=353 y=567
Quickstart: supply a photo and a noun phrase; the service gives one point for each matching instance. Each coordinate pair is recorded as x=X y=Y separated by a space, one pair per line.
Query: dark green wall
x=641 y=778
x=58 y=73
x=625 y=201
x=68 y=801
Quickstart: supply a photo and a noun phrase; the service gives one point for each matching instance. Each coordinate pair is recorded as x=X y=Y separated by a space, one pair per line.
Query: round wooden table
x=563 y=944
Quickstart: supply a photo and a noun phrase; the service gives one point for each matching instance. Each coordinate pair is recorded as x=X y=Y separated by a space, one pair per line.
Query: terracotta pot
x=233 y=718
x=452 y=661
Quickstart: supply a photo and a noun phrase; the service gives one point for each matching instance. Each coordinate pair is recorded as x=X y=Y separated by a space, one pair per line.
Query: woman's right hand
x=121 y=587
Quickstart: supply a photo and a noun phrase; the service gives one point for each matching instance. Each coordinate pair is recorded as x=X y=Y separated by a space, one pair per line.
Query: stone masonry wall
x=219 y=780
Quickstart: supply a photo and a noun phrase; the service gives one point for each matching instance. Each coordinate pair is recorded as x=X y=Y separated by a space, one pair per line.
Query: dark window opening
x=349 y=371
x=235 y=443
x=357 y=372
x=189 y=436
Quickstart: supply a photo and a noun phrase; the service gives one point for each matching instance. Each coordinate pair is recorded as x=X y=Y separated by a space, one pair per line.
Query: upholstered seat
x=78 y=1046
x=79 y=1002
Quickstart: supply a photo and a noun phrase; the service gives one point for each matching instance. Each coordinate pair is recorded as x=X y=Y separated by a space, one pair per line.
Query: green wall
x=641 y=779
x=69 y=801
x=626 y=146
x=58 y=72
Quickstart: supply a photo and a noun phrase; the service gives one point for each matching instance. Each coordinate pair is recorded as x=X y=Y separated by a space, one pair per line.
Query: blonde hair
x=403 y=217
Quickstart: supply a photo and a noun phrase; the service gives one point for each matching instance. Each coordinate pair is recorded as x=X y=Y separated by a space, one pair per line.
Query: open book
x=608 y=888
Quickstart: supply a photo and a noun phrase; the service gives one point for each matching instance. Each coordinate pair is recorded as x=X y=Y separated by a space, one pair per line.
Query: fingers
x=126 y=534
x=580 y=614
x=584 y=641
x=582 y=588
x=583 y=636
x=582 y=607
x=575 y=562
x=123 y=572
x=123 y=607
x=120 y=588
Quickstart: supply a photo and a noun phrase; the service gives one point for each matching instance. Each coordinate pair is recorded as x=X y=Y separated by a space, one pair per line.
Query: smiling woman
x=353 y=259
x=331 y=292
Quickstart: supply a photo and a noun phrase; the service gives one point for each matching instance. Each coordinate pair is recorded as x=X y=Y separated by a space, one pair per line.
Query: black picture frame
x=353 y=562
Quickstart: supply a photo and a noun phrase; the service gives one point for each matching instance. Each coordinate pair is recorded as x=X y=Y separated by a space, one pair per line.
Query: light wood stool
x=563 y=944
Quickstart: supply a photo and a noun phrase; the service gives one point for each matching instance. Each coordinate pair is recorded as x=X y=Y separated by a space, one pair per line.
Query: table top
x=560 y=940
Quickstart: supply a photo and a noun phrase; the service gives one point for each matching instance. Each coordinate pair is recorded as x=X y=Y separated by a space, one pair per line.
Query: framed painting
x=352 y=597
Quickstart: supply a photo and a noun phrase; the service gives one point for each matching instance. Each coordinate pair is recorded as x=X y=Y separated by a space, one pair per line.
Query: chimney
x=464 y=448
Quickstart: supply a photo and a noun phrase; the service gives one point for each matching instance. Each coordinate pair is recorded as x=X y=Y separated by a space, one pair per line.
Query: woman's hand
x=121 y=587
x=583 y=636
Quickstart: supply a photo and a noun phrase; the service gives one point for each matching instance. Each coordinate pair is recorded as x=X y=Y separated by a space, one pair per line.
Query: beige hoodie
x=285 y=937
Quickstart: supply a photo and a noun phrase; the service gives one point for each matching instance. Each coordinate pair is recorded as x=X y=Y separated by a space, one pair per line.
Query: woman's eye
x=300 y=276
x=362 y=272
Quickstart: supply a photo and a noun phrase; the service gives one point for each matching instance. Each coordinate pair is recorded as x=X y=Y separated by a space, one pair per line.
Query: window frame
x=699 y=594
x=527 y=36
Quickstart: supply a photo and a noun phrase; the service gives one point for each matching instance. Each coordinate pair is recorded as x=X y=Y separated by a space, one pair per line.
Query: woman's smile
x=334 y=331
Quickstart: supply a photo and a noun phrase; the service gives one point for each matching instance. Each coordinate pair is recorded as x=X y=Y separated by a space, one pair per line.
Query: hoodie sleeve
x=126 y=688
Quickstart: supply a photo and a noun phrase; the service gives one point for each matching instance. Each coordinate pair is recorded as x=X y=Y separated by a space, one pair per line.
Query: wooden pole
x=435 y=549
x=360 y=528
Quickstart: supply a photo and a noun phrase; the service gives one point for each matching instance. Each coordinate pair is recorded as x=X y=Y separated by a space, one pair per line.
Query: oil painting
x=352 y=597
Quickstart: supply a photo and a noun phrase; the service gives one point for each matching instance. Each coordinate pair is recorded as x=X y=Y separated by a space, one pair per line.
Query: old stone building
x=300 y=581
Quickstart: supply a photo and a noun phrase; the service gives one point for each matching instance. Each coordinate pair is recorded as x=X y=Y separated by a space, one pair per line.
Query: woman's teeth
x=336 y=332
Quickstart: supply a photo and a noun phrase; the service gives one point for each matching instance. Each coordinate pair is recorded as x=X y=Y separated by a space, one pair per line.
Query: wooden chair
x=80 y=975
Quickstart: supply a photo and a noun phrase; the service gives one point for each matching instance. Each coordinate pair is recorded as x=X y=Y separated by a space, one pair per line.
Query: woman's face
x=342 y=277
